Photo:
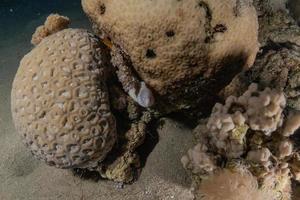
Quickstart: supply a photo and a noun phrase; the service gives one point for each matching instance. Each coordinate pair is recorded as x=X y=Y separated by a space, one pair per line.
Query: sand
x=25 y=178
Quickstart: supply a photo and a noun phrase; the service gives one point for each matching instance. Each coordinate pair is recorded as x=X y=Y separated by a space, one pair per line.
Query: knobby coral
x=251 y=132
x=53 y=24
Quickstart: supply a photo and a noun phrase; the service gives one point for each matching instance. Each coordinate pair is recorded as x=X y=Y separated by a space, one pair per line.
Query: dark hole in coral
x=255 y=94
x=91 y=117
x=170 y=33
x=51 y=163
x=86 y=174
x=207 y=39
x=294 y=8
x=150 y=53
x=149 y=143
x=221 y=28
x=102 y=9
x=42 y=115
x=236 y=107
x=80 y=128
x=149 y=36
x=204 y=5
x=296 y=138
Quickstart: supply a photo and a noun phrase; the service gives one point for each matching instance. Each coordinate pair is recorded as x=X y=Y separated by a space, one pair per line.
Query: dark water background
x=16 y=15
x=18 y=21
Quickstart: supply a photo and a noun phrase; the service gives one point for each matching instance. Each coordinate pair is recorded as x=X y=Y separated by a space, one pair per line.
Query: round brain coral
x=60 y=103
x=170 y=42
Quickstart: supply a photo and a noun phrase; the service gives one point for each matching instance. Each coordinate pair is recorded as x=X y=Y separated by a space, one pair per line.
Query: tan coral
x=60 y=103
x=53 y=24
x=250 y=132
x=264 y=112
x=259 y=155
x=198 y=160
x=169 y=41
x=233 y=185
x=292 y=124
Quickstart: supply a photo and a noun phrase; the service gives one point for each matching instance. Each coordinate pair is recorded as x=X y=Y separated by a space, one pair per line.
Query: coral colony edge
x=85 y=100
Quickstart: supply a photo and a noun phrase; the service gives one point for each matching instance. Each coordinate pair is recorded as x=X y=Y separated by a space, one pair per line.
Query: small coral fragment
x=198 y=160
x=53 y=24
x=292 y=124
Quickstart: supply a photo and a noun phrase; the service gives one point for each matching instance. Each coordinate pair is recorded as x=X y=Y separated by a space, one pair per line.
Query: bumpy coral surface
x=53 y=24
x=60 y=102
x=233 y=185
x=170 y=42
x=250 y=131
x=277 y=67
x=278 y=63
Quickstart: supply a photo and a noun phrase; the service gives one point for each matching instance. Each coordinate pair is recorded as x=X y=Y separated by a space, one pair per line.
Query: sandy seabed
x=25 y=178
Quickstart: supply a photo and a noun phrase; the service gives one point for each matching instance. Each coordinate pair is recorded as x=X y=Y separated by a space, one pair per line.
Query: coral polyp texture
x=253 y=132
x=233 y=185
x=178 y=48
x=60 y=102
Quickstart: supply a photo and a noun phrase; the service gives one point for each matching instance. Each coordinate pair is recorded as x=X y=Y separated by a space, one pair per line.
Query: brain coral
x=60 y=102
x=171 y=41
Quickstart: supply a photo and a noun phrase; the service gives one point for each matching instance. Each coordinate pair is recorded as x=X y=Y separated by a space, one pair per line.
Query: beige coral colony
x=84 y=100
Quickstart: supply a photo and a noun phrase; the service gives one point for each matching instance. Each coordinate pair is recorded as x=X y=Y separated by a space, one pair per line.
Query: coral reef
x=182 y=57
x=53 y=24
x=250 y=132
x=83 y=103
x=276 y=24
x=278 y=63
x=60 y=103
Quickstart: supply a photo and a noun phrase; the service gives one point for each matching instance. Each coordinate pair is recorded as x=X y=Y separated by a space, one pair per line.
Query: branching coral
x=198 y=160
x=250 y=131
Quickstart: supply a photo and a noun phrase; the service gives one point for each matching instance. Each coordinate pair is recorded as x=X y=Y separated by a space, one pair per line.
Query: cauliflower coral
x=251 y=132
